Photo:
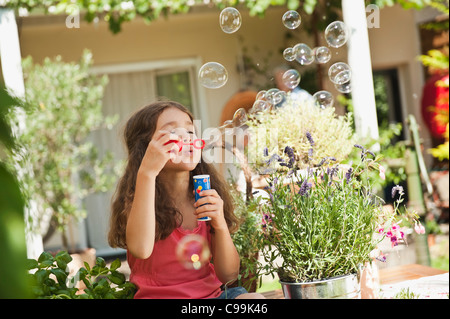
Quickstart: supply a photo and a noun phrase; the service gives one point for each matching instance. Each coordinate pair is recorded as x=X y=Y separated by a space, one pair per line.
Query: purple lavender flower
x=396 y=189
x=290 y=152
x=266 y=151
x=305 y=188
x=310 y=139
x=348 y=175
x=360 y=147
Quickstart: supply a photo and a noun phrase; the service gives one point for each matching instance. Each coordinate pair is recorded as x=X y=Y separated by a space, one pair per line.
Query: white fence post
x=359 y=59
x=12 y=74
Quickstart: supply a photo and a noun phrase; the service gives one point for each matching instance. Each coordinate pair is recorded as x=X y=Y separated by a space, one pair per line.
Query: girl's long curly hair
x=137 y=134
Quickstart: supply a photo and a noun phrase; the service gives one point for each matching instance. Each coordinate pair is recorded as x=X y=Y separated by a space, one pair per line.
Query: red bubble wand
x=197 y=143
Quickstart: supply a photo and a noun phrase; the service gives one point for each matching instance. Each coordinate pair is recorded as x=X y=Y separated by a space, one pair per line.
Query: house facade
x=146 y=61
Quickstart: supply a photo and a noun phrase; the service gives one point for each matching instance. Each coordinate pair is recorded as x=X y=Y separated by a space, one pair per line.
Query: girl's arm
x=140 y=232
x=226 y=258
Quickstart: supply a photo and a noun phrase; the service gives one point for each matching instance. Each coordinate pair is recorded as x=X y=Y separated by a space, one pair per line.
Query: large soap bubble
x=291 y=78
x=192 y=252
x=304 y=54
x=213 y=75
x=230 y=20
x=291 y=19
x=323 y=99
x=340 y=73
x=336 y=34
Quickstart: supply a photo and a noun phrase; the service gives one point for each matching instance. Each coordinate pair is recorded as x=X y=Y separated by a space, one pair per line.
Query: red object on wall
x=435 y=97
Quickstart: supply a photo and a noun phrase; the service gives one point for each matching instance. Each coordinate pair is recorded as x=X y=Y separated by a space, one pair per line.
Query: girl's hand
x=213 y=208
x=157 y=154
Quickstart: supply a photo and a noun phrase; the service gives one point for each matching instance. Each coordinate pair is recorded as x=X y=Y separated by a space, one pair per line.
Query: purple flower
x=348 y=175
x=396 y=189
x=310 y=139
x=266 y=151
x=360 y=147
x=290 y=152
x=305 y=188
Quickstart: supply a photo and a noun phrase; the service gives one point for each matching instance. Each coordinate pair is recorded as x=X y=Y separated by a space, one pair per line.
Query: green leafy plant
x=61 y=165
x=246 y=239
x=51 y=279
x=325 y=221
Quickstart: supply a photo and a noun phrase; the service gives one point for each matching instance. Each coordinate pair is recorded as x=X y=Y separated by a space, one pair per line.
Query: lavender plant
x=323 y=221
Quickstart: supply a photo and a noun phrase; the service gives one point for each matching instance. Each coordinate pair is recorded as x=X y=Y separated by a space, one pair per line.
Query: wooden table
x=407 y=272
x=387 y=276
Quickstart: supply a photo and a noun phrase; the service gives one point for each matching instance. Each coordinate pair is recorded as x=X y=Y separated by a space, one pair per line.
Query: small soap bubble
x=336 y=34
x=279 y=97
x=270 y=96
x=230 y=20
x=323 y=99
x=323 y=54
x=344 y=87
x=291 y=78
x=261 y=95
x=193 y=252
x=213 y=75
x=291 y=19
x=240 y=117
x=289 y=54
x=260 y=106
x=304 y=54
x=340 y=73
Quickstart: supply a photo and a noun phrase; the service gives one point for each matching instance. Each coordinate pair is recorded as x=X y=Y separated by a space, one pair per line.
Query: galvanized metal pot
x=341 y=287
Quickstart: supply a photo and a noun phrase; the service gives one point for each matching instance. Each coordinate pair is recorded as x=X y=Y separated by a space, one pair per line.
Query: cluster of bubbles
x=214 y=75
x=192 y=252
x=336 y=35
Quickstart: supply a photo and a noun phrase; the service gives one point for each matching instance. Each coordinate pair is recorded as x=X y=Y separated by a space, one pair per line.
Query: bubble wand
x=195 y=143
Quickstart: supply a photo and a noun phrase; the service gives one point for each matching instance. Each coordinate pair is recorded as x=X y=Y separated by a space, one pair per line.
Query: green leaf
x=116 y=277
x=115 y=264
x=45 y=257
x=31 y=264
x=60 y=275
x=100 y=262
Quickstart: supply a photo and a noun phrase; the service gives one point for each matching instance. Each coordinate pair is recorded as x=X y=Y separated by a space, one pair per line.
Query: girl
x=154 y=208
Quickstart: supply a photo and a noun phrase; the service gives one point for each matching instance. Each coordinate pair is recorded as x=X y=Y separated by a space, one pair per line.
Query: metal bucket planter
x=341 y=287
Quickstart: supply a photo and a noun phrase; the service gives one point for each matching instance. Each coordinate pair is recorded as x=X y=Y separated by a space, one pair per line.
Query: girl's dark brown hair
x=138 y=132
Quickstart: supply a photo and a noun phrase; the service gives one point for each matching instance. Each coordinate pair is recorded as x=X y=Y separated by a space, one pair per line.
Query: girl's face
x=179 y=123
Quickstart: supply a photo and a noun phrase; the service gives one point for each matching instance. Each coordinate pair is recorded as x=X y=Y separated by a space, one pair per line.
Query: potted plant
x=324 y=222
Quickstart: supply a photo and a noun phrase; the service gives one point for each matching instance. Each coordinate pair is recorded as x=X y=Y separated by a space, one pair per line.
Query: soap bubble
x=213 y=75
x=240 y=117
x=322 y=54
x=273 y=96
x=323 y=99
x=289 y=54
x=261 y=95
x=336 y=34
x=193 y=252
x=344 y=87
x=291 y=78
x=291 y=19
x=304 y=54
x=340 y=73
x=230 y=20
x=260 y=106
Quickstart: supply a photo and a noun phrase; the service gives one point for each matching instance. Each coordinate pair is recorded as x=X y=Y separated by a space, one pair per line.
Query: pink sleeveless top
x=162 y=276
